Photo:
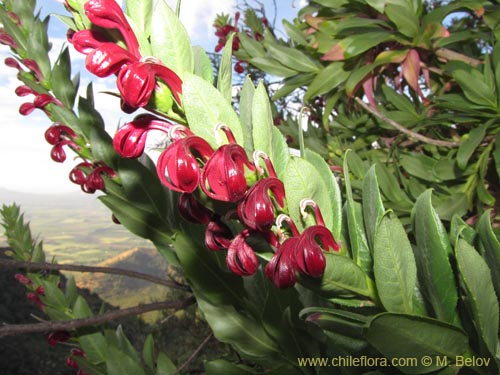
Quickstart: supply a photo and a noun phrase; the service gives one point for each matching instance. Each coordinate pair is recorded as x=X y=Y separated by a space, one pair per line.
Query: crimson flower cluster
x=190 y=166
x=136 y=74
x=89 y=175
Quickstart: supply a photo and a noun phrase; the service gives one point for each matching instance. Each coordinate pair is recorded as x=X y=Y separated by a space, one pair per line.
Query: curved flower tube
x=192 y=210
x=280 y=269
x=241 y=258
x=130 y=139
x=256 y=210
x=178 y=167
x=137 y=81
x=223 y=177
x=218 y=236
x=108 y=14
x=85 y=41
x=108 y=59
x=308 y=257
x=57 y=132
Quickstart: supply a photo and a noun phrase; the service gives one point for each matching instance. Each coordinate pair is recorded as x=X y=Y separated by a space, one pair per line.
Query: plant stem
x=68 y=325
x=8 y=263
x=194 y=354
x=404 y=130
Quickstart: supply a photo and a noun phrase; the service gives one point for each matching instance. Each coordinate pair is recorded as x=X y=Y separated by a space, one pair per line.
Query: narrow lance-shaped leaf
x=266 y=137
x=432 y=251
x=373 y=208
x=359 y=243
x=246 y=102
x=490 y=248
x=406 y=336
x=169 y=39
x=225 y=76
x=394 y=265
x=482 y=300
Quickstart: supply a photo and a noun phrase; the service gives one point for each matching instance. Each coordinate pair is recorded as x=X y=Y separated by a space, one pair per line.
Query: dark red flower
x=241 y=258
x=238 y=67
x=218 y=236
x=130 y=139
x=223 y=177
x=7 y=40
x=54 y=338
x=308 y=257
x=77 y=352
x=256 y=210
x=178 y=167
x=280 y=269
x=108 y=59
x=13 y=63
x=136 y=82
x=109 y=15
x=60 y=135
x=85 y=41
x=192 y=210
x=78 y=174
x=32 y=65
x=35 y=298
x=70 y=362
x=24 y=90
x=23 y=279
x=40 y=102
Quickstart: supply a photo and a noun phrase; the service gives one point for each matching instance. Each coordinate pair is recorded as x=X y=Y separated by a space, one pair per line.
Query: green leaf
x=491 y=248
x=53 y=296
x=482 y=299
x=359 y=244
x=225 y=76
x=332 y=190
x=303 y=180
x=71 y=291
x=342 y=278
x=373 y=208
x=496 y=154
x=206 y=107
x=165 y=366
x=221 y=366
x=394 y=265
x=266 y=137
x=390 y=187
x=170 y=41
x=118 y=363
x=95 y=347
x=471 y=141
x=148 y=352
x=404 y=17
x=60 y=80
x=292 y=58
x=431 y=253
x=327 y=80
x=272 y=67
x=294 y=33
x=246 y=103
x=141 y=12
x=475 y=88
x=202 y=64
x=405 y=336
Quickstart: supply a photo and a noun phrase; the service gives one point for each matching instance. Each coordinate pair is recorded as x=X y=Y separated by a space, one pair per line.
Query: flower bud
x=241 y=258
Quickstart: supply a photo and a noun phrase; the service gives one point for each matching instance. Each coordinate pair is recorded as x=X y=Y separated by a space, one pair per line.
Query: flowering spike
x=223 y=177
x=241 y=258
x=257 y=208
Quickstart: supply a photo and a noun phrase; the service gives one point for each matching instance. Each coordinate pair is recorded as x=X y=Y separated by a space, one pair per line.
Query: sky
x=25 y=163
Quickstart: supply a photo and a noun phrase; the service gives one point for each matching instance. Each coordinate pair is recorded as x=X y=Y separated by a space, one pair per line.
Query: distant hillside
x=75 y=227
